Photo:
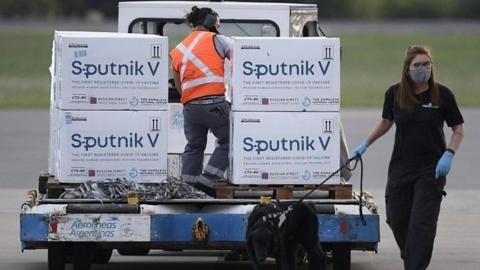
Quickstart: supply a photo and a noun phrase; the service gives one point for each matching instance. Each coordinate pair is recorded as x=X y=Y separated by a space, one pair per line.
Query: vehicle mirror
x=268 y=30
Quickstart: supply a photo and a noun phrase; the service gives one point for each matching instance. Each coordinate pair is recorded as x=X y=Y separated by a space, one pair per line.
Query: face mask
x=421 y=75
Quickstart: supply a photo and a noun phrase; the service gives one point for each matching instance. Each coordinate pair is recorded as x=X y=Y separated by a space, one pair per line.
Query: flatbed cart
x=85 y=231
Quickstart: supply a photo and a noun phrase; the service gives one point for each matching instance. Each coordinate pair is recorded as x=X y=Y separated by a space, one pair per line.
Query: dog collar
x=281 y=216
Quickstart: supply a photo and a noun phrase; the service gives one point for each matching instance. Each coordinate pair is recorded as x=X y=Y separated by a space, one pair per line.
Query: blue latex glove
x=360 y=149
x=444 y=164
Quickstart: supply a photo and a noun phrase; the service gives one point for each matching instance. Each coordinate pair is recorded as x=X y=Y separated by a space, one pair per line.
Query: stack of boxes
x=177 y=140
x=285 y=122
x=108 y=112
x=176 y=135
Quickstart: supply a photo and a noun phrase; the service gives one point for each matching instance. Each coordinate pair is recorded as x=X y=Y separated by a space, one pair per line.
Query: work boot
x=206 y=183
x=203 y=183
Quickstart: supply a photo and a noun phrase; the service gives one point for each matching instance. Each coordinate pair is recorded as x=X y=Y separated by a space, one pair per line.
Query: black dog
x=277 y=230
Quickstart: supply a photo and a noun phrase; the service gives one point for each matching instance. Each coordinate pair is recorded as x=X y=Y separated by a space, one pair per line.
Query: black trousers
x=198 y=121
x=413 y=197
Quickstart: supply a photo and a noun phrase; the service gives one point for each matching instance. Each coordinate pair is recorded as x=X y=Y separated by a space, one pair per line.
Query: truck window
x=176 y=30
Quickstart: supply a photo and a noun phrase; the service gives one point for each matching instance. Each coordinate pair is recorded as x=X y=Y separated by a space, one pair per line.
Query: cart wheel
x=133 y=251
x=341 y=257
x=56 y=256
x=82 y=256
x=102 y=255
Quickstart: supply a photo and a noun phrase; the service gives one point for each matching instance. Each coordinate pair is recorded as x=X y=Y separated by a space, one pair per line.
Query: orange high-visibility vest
x=201 y=68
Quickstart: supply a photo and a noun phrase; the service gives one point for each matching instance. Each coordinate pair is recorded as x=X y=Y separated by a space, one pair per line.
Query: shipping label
x=99 y=227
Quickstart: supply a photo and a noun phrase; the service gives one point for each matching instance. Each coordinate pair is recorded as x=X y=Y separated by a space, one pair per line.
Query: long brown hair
x=405 y=99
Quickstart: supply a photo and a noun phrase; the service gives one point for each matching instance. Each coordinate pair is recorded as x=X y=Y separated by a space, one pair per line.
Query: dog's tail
x=280 y=260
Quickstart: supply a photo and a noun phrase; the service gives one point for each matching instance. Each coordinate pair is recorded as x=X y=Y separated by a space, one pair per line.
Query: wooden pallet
x=53 y=187
x=226 y=190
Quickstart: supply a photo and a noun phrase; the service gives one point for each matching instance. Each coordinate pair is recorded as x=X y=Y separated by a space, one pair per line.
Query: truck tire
x=82 y=256
x=341 y=256
x=236 y=255
x=133 y=251
x=56 y=256
x=102 y=255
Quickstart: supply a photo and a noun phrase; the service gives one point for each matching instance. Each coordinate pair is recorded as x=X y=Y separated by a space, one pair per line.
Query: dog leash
x=358 y=159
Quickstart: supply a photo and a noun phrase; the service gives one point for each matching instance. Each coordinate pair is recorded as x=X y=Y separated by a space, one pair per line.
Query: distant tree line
x=399 y=9
x=339 y=9
x=52 y=9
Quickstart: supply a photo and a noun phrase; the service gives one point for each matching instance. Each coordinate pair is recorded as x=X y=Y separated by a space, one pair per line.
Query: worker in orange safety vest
x=198 y=73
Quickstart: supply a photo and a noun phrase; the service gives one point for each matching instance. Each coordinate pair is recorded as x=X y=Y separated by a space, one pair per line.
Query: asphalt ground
x=23 y=154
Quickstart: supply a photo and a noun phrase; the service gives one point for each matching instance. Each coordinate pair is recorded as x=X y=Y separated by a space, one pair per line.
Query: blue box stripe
x=222 y=227
x=178 y=227
x=33 y=227
x=232 y=227
x=348 y=228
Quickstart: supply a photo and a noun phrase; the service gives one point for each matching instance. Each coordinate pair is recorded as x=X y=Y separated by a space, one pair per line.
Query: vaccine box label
x=285 y=74
x=110 y=71
x=176 y=135
x=95 y=145
x=301 y=148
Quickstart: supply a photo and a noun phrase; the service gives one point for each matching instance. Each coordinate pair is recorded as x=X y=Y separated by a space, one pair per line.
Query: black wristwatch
x=451 y=151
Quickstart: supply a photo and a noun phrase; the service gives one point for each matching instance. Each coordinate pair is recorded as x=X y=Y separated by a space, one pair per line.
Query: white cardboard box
x=94 y=145
x=176 y=136
x=52 y=143
x=51 y=130
x=284 y=147
x=110 y=71
x=285 y=74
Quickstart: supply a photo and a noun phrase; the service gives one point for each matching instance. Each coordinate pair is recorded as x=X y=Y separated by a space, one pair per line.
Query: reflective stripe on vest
x=189 y=56
x=200 y=81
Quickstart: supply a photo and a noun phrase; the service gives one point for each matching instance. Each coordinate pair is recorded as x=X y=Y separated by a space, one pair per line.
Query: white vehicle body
x=293 y=20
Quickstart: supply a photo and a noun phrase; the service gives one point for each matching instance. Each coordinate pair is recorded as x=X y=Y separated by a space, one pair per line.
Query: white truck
x=187 y=224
